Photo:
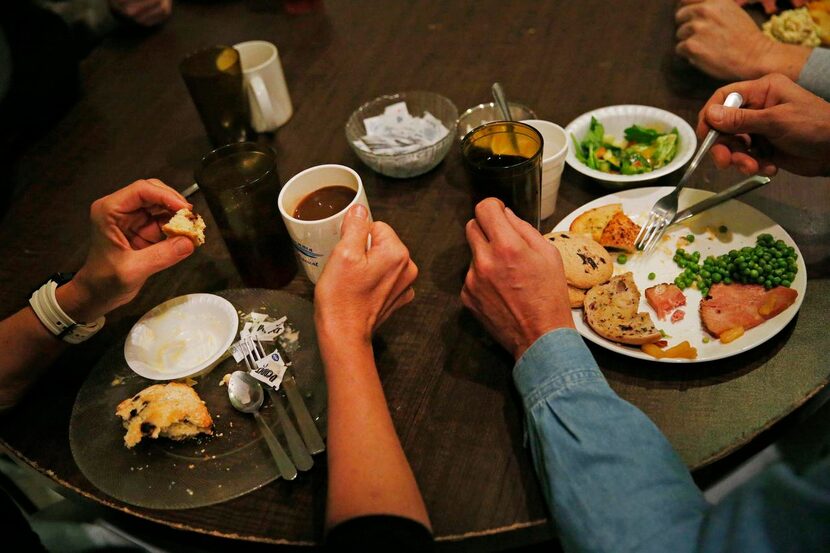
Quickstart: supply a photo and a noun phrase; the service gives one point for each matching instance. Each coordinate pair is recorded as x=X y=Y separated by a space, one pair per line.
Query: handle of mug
x=261 y=98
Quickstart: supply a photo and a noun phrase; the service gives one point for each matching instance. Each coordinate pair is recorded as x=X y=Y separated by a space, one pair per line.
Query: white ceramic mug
x=265 y=84
x=314 y=240
x=553 y=161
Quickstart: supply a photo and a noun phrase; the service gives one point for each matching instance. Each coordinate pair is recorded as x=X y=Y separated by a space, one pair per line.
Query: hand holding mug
x=361 y=287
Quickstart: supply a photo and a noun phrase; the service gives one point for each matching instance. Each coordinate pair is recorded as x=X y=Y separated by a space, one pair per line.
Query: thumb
x=355 y=228
x=152 y=259
x=739 y=121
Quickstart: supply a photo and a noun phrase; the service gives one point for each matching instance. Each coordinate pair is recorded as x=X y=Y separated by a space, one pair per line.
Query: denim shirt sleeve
x=613 y=482
x=815 y=75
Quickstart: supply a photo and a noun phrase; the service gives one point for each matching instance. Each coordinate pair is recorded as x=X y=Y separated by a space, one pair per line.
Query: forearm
x=26 y=347
x=368 y=471
x=611 y=480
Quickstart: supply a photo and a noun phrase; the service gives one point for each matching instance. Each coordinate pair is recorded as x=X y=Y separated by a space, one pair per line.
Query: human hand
x=769 y=5
x=144 y=12
x=781 y=125
x=721 y=39
x=127 y=247
x=359 y=288
x=516 y=282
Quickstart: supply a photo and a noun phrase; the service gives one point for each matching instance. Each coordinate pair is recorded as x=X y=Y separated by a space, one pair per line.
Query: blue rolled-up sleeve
x=613 y=482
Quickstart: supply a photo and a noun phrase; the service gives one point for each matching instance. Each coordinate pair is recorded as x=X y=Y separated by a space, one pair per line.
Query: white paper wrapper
x=395 y=131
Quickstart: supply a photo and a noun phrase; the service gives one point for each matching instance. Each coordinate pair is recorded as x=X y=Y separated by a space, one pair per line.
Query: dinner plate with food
x=161 y=438
x=718 y=284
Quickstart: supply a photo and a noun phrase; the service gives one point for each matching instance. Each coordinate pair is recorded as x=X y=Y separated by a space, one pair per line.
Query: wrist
x=775 y=57
x=79 y=302
x=532 y=337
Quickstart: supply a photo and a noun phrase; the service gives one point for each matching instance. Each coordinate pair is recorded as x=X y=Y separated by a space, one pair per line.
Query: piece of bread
x=586 y=263
x=186 y=223
x=170 y=410
x=594 y=220
x=576 y=297
x=620 y=232
x=611 y=309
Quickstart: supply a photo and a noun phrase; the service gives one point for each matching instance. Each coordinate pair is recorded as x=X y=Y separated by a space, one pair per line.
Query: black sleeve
x=380 y=533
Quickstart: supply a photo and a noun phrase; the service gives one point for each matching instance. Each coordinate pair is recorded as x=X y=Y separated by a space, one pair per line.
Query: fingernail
x=360 y=211
x=182 y=245
x=716 y=113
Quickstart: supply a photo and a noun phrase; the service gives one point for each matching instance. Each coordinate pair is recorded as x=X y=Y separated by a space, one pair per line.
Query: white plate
x=616 y=119
x=181 y=337
x=744 y=224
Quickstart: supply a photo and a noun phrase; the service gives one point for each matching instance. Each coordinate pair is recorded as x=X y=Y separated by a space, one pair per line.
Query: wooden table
x=448 y=385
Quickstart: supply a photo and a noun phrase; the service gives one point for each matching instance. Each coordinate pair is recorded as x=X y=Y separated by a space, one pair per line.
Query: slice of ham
x=663 y=298
x=678 y=315
x=745 y=305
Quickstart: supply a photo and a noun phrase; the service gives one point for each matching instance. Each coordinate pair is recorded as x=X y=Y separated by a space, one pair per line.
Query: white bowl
x=616 y=119
x=182 y=337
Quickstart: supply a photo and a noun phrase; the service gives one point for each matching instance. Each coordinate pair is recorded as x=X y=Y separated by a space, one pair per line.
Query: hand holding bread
x=127 y=246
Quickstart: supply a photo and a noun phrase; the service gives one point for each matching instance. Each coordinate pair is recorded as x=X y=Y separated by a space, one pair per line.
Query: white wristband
x=45 y=305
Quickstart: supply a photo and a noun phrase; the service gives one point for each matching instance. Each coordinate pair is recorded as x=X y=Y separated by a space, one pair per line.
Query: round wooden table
x=447 y=383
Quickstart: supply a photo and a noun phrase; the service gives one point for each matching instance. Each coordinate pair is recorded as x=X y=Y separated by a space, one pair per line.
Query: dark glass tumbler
x=241 y=186
x=214 y=78
x=504 y=161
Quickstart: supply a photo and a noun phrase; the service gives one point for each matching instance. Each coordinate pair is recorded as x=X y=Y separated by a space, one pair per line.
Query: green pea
x=622 y=258
x=690 y=238
x=785 y=283
x=652 y=276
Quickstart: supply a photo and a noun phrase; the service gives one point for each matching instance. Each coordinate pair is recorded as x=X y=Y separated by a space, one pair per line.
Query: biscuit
x=586 y=263
x=576 y=296
x=186 y=223
x=611 y=309
x=171 y=410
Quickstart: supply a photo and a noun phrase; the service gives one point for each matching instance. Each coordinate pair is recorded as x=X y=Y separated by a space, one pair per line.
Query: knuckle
x=483 y=267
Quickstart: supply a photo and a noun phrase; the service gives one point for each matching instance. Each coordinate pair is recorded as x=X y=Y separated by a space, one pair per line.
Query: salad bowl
x=615 y=120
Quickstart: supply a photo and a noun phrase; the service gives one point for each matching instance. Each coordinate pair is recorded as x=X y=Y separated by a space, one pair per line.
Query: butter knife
x=732 y=192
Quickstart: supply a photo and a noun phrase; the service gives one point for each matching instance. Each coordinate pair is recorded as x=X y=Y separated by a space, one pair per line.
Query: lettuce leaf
x=641 y=135
x=665 y=148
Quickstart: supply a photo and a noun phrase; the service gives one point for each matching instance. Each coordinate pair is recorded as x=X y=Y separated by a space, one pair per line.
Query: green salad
x=643 y=150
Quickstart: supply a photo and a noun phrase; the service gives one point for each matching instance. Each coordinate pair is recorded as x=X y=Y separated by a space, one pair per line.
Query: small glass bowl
x=486 y=113
x=410 y=164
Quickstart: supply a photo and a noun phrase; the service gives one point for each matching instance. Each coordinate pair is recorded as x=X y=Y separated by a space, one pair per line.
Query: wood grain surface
x=448 y=385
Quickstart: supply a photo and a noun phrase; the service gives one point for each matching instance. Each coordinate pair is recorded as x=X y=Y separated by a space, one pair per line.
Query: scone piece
x=594 y=220
x=170 y=410
x=586 y=262
x=620 y=232
x=611 y=310
x=186 y=223
x=576 y=297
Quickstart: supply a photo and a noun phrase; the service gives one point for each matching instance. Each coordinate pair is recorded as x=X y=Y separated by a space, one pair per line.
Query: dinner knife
x=300 y=455
x=732 y=192
x=311 y=436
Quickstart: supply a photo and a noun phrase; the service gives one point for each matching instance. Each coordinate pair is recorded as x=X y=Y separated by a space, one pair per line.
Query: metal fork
x=663 y=211
x=299 y=454
x=311 y=436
